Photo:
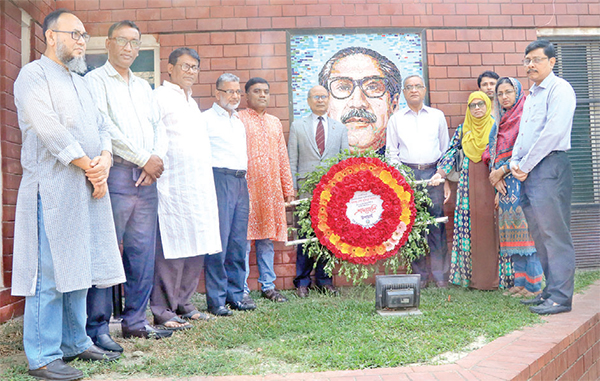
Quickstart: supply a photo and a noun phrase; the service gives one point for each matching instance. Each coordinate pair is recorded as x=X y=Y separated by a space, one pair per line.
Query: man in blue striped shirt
x=539 y=160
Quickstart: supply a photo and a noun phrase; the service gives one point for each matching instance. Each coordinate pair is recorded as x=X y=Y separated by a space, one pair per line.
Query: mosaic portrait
x=363 y=73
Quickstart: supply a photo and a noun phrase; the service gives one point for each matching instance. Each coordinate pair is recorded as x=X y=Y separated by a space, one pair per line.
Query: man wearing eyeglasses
x=225 y=272
x=417 y=136
x=139 y=144
x=64 y=234
x=186 y=188
x=539 y=160
x=364 y=88
x=312 y=141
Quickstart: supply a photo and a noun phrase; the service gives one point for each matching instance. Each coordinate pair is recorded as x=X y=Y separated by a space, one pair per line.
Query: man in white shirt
x=139 y=144
x=187 y=202
x=225 y=272
x=417 y=136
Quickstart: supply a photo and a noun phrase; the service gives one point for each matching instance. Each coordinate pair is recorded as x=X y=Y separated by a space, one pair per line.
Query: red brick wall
x=248 y=38
x=10 y=48
x=575 y=357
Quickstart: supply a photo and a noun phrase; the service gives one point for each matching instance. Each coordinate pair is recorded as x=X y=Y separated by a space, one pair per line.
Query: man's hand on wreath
x=436 y=180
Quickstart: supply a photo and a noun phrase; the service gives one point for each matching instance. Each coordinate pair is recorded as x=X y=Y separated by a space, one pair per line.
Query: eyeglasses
x=75 y=35
x=372 y=87
x=507 y=93
x=413 y=87
x=320 y=97
x=480 y=104
x=122 y=41
x=535 y=60
x=187 y=67
x=231 y=92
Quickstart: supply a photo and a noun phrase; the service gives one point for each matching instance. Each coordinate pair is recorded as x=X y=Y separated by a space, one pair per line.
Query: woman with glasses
x=520 y=270
x=474 y=260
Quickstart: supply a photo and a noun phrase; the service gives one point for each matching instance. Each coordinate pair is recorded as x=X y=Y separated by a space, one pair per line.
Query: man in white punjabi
x=540 y=161
x=224 y=272
x=269 y=184
x=64 y=235
x=139 y=144
x=417 y=136
x=187 y=203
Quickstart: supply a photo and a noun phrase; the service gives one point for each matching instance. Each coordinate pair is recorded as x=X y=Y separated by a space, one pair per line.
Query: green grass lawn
x=309 y=335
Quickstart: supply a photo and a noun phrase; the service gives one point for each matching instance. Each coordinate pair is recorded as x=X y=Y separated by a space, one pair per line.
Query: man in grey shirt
x=65 y=238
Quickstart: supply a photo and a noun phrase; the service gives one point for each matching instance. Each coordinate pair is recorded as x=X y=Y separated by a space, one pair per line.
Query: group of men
x=172 y=172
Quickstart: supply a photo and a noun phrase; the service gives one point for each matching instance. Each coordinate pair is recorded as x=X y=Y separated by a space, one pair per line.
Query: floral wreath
x=362 y=210
x=364 y=213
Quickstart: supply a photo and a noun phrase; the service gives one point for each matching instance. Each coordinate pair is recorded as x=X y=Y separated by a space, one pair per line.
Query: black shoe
x=94 y=353
x=107 y=343
x=220 y=311
x=242 y=306
x=56 y=370
x=549 y=308
x=148 y=332
x=302 y=292
x=535 y=301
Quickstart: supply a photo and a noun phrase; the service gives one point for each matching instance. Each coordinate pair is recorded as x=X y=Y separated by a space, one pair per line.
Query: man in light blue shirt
x=139 y=144
x=539 y=160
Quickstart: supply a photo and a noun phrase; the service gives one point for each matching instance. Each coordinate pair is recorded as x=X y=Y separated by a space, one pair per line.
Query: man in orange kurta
x=270 y=184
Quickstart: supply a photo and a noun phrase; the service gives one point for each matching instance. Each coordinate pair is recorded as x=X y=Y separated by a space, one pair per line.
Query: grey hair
x=413 y=76
x=227 y=77
x=388 y=68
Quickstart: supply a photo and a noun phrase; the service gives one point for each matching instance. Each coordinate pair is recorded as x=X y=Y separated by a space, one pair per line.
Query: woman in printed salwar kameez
x=520 y=270
x=474 y=261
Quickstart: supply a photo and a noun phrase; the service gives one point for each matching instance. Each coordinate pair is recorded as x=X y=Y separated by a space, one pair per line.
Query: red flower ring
x=363 y=210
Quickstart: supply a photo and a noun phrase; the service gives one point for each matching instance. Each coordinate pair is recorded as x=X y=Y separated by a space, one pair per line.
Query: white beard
x=230 y=107
x=74 y=64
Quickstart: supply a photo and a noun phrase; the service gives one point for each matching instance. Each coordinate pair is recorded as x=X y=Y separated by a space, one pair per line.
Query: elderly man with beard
x=364 y=88
x=225 y=272
x=139 y=144
x=64 y=235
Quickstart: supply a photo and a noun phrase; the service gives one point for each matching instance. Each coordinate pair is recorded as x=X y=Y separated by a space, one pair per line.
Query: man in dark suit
x=313 y=140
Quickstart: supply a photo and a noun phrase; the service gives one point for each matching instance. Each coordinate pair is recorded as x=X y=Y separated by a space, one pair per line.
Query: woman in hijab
x=475 y=247
x=523 y=274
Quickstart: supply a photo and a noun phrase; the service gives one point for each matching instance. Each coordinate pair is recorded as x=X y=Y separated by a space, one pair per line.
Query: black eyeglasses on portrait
x=343 y=87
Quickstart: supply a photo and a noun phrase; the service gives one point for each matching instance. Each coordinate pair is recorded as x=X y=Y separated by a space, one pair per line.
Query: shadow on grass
x=309 y=335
